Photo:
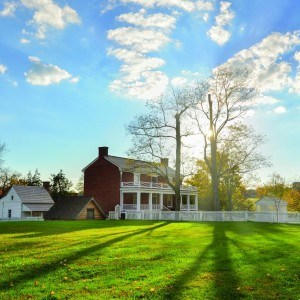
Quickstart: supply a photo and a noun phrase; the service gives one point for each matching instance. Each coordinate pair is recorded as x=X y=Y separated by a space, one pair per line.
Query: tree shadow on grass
x=36 y=272
x=221 y=272
x=33 y=229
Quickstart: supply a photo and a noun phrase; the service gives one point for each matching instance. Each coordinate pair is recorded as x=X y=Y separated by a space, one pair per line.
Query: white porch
x=155 y=201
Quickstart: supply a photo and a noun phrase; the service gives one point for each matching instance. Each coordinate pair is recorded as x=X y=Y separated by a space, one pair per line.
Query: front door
x=90 y=213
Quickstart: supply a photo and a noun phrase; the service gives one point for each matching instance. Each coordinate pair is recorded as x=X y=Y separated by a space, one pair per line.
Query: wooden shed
x=75 y=208
x=271 y=204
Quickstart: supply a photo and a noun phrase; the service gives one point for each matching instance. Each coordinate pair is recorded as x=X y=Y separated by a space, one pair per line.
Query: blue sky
x=73 y=73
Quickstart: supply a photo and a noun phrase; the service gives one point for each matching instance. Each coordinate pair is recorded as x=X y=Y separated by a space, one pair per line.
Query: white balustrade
x=155 y=185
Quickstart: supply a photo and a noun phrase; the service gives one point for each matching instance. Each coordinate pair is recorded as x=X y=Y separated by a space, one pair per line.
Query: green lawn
x=151 y=260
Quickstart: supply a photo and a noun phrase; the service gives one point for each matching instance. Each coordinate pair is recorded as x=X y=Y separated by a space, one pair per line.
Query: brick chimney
x=103 y=151
x=46 y=185
x=164 y=161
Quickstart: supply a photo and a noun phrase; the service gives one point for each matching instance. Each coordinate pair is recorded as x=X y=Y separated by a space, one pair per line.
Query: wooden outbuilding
x=75 y=208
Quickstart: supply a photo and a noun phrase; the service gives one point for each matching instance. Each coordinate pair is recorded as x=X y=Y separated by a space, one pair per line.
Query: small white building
x=271 y=204
x=24 y=202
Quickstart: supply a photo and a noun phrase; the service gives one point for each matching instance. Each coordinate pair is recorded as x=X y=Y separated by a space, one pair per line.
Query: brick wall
x=102 y=181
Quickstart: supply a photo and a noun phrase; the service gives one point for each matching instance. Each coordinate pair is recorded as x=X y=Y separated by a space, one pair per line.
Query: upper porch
x=154 y=185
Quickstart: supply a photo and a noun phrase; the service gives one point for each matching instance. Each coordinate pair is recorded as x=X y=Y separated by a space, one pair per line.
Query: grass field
x=147 y=259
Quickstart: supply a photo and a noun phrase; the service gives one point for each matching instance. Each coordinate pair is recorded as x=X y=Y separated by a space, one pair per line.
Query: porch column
x=196 y=201
x=161 y=200
x=180 y=202
x=150 y=201
x=138 y=201
x=188 y=202
x=121 y=199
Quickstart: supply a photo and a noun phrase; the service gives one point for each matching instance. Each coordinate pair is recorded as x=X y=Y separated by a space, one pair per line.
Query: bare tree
x=2 y=150
x=239 y=155
x=230 y=97
x=160 y=133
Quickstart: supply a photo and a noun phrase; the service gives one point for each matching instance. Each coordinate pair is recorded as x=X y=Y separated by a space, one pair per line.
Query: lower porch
x=144 y=201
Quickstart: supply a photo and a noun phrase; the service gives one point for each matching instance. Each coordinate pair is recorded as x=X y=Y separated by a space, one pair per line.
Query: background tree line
x=59 y=185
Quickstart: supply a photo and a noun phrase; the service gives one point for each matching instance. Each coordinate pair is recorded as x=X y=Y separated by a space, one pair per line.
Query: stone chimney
x=164 y=161
x=103 y=151
x=46 y=185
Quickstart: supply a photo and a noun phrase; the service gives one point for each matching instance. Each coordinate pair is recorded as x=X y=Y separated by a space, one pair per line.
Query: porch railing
x=155 y=185
x=186 y=207
x=142 y=207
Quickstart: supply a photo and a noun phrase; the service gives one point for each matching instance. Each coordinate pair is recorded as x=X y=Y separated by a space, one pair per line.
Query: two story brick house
x=113 y=180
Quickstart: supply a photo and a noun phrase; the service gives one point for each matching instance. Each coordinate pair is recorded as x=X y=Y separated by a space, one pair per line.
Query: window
x=169 y=201
x=12 y=197
x=184 y=199
x=9 y=213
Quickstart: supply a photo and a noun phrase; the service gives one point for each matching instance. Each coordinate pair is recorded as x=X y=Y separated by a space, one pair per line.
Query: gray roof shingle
x=130 y=165
x=33 y=194
x=69 y=207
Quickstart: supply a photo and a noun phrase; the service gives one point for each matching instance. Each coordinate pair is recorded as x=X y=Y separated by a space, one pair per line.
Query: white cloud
x=151 y=85
x=74 y=80
x=295 y=86
x=24 y=41
x=267 y=100
x=50 y=15
x=43 y=74
x=178 y=81
x=139 y=76
x=140 y=40
x=204 y=5
x=219 y=35
x=297 y=56
x=205 y=17
x=8 y=9
x=141 y=19
x=14 y=83
x=280 y=110
x=186 y=5
x=182 y=4
x=3 y=69
x=219 y=32
x=264 y=61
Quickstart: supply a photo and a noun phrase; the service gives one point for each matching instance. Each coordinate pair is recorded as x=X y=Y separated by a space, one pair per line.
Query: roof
x=38 y=207
x=134 y=165
x=272 y=199
x=33 y=194
x=69 y=207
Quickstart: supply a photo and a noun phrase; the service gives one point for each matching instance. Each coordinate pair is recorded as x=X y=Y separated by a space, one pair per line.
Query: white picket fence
x=209 y=216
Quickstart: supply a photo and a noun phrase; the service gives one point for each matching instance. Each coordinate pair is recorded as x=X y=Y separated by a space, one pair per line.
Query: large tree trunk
x=213 y=168
x=178 y=164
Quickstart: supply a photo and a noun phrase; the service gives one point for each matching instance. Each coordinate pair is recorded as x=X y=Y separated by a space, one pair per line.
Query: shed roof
x=69 y=207
x=270 y=200
x=33 y=194
x=38 y=206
